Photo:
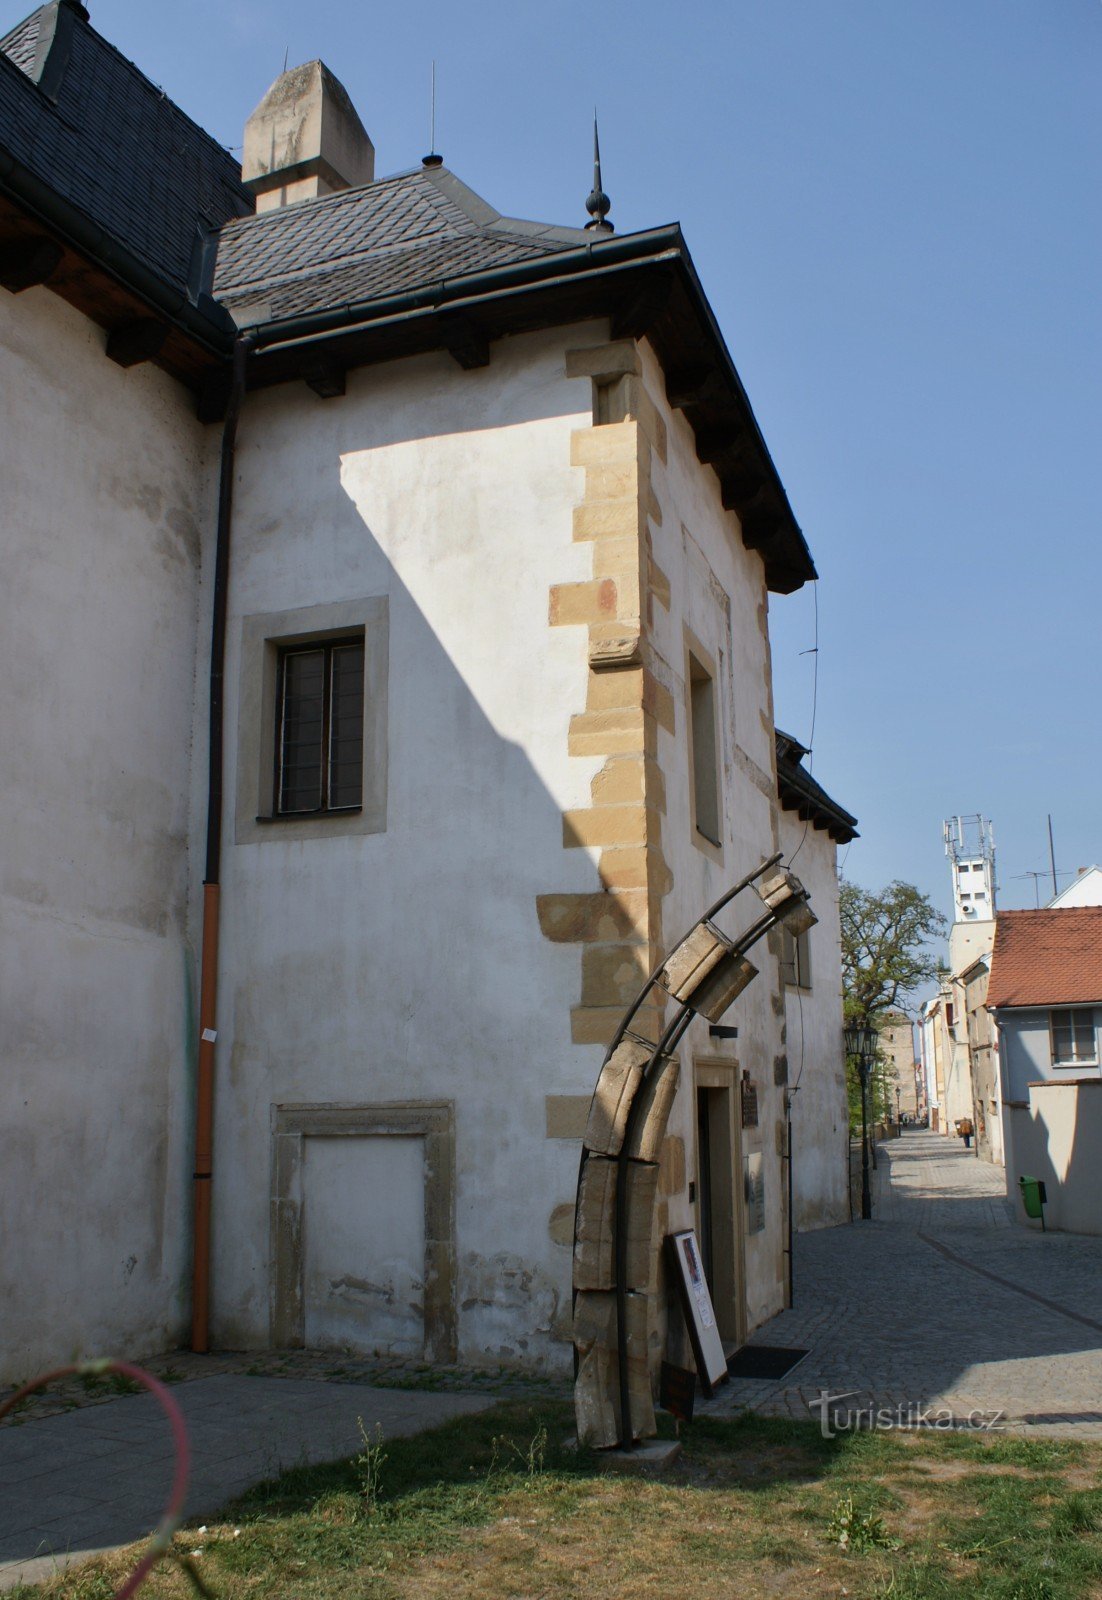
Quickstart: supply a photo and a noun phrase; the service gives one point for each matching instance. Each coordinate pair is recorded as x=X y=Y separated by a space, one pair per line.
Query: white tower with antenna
x=970 y=846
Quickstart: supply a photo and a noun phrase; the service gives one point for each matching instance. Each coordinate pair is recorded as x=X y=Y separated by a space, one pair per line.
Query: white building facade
x=493 y=566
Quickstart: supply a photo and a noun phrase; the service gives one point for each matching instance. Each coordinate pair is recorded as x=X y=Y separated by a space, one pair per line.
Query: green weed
x=857 y=1531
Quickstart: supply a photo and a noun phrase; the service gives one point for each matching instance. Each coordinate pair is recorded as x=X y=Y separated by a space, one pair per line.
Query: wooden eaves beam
x=29 y=261
x=136 y=341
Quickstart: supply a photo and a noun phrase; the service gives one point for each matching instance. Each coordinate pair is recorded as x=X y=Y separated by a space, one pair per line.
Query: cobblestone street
x=941 y=1303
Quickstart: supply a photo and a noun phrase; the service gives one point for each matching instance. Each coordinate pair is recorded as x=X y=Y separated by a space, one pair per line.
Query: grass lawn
x=494 y=1505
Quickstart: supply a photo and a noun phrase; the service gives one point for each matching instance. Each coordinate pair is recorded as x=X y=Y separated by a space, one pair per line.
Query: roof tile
x=1047 y=958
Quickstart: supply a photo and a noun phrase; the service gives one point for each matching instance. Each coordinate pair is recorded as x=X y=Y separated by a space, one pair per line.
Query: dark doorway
x=716 y=1224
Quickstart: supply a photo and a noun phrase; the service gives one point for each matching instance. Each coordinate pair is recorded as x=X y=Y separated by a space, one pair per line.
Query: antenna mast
x=432 y=159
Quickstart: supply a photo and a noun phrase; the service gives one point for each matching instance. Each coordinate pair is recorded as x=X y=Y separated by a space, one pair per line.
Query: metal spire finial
x=432 y=159
x=598 y=205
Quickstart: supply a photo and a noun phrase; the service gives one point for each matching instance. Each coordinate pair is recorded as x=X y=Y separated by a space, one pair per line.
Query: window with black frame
x=319 y=731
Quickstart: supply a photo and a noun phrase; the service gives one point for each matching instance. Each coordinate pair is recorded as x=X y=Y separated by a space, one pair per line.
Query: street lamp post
x=862 y=1044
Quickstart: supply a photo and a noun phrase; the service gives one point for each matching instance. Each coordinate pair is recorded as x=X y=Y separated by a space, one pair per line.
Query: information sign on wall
x=754 y=1189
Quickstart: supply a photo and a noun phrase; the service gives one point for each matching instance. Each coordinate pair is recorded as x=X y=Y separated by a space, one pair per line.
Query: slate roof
x=367 y=243
x=1047 y=958
x=113 y=146
x=799 y=792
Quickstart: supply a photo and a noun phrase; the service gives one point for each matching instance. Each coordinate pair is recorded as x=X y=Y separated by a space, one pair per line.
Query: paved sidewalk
x=76 y=1484
x=942 y=1303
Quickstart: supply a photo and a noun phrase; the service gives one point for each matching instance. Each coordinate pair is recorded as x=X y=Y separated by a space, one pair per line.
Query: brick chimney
x=304 y=140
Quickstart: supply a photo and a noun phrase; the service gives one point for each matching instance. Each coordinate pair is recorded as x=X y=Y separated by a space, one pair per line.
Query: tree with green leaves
x=886 y=959
x=885 y=947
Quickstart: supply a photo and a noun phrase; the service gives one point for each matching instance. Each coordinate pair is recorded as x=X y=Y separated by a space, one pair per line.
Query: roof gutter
x=432 y=296
x=655 y=244
x=468 y=301
x=208 y=323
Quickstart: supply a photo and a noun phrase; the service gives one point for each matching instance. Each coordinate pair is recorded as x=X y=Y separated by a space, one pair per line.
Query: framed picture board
x=696 y=1302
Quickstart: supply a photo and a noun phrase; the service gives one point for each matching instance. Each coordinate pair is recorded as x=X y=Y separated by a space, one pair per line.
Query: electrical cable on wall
x=814 y=653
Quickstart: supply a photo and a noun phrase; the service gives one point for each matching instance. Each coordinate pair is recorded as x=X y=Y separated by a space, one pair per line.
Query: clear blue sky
x=894 y=206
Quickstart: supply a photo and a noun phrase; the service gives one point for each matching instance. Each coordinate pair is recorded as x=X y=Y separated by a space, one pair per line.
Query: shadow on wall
x=1067 y=1134
x=1057 y=1139
x=410 y=964
x=407 y=964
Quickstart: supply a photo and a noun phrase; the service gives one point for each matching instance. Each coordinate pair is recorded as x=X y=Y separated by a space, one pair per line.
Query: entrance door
x=717 y=1196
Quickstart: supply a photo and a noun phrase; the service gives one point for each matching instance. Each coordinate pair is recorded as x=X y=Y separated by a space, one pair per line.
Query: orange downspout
x=204 y=1123
x=203 y=1172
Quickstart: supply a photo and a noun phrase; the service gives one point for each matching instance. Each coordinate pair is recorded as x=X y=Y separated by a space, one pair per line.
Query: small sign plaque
x=749 y=1102
x=754 y=1191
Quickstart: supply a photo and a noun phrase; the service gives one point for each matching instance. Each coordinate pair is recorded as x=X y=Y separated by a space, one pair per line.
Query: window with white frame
x=1074 y=1041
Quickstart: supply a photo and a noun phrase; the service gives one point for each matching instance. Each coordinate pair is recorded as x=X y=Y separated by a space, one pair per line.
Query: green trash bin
x=1034 y=1197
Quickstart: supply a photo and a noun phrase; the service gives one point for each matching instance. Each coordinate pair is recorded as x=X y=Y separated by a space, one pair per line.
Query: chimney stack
x=304 y=140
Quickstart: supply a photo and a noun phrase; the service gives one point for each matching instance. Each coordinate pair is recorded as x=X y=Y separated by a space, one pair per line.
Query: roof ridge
x=1049 y=911
x=279 y=214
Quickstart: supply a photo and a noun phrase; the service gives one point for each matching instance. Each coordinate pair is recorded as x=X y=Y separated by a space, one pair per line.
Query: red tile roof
x=1047 y=958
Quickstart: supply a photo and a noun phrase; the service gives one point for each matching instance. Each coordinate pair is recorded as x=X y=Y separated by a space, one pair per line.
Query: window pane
x=1082 y=1031
x=1063 y=1037
x=300 y=765
x=346 y=727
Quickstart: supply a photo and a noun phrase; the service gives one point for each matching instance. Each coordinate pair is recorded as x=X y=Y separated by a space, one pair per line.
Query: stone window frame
x=430 y=1120
x=263 y=636
x=694 y=651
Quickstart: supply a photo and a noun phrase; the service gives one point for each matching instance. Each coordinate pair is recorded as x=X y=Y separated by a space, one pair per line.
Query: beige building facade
x=901 y=1074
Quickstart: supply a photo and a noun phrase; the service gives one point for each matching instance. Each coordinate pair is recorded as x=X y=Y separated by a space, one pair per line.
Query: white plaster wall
x=717 y=590
x=409 y=965
x=364 y=1243
x=968 y=941
x=816 y=1056
x=1085 y=890
x=106 y=489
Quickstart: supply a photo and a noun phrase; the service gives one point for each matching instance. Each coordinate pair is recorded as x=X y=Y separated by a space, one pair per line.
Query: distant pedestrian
x=965 y=1126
